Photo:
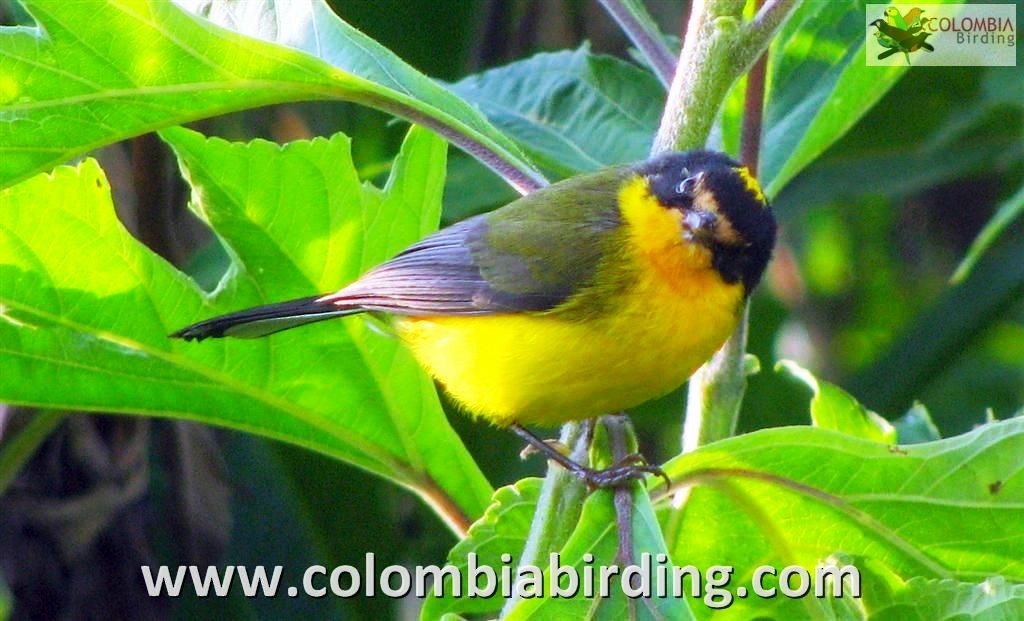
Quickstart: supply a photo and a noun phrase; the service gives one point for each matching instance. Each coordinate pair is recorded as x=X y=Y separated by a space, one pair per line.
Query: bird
x=583 y=298
x=911 y=22
x=886 y=42
x=901 y=40
x=895 y=18
x=918 y=42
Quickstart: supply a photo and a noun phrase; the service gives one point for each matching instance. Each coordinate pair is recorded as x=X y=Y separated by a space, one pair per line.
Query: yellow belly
x=546 y=369
x=672 y=312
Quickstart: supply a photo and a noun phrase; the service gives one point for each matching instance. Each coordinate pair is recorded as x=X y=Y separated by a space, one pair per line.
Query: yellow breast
x=558 y=366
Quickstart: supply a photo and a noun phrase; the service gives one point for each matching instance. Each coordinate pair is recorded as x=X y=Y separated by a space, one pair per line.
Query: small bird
x=911 y=22
x=898 y=35
x=918 y=42
x=886 y=42
x=587 y=297
x=897 y=39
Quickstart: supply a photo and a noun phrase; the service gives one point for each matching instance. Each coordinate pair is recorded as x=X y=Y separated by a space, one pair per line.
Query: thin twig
x=768 y=19
x=753 y=115
x=445 y=506
x=22 y=445
x=644 y=34
x=620 y=435
x=621 y=438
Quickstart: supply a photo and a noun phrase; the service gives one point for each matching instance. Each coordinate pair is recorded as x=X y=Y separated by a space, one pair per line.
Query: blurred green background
x=859 y=293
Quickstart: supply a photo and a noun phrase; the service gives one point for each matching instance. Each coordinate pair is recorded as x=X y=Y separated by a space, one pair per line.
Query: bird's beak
x=700 y=225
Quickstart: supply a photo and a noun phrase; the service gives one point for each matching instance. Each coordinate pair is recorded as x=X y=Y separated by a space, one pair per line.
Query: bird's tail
x=264 y=320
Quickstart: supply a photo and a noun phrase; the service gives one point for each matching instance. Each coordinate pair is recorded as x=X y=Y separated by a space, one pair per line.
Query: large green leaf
x=972 y=123
x=96 y=71
x=501 y=531
x=948 y=600
x=575 y=111
x=947 y=509
x=572 y=111
x=819 y=85
x=593 y=543
x=88 y=309
x=834 y=408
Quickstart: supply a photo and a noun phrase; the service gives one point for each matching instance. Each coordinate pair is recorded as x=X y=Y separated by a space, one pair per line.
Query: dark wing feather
x=437 y=276
x=530 y=255
x=263 y=320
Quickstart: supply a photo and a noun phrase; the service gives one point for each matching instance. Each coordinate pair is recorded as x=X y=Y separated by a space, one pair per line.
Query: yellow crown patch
x=752 y=184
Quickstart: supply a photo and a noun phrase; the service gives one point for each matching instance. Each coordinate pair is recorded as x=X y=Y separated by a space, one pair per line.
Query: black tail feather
x=264 y=320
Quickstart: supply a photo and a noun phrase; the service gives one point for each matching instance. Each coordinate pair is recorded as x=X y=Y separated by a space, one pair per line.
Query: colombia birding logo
x=899 y=32
x=941 y=35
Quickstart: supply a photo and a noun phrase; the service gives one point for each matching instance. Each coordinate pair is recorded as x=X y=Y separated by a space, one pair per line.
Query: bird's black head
x=723 y=208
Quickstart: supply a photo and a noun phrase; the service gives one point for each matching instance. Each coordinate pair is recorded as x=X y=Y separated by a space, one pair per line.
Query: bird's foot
x=629 y=468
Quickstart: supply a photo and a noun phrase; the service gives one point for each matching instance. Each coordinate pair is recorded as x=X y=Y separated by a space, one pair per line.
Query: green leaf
x=1007 y=212
x=501 y=531
x=311 y=26
x=799 y=495
x=572 y=111
x=967 y=127
x=593 y=544
x=944 y=331
x=916 y=426
x=834 y=408
x=947 y=600
x=97 y=71
x=87 y=308
x=819 y=85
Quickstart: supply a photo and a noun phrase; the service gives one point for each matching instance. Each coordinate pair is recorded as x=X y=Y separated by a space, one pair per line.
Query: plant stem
x=623 y=442
x=716 y=392
x=701 y=79
x=559 y=505
x=753 y=113
x=717 y=50
x=19 y=448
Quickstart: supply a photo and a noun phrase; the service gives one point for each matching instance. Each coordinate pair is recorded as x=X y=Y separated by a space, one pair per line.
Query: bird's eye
x=688 y=186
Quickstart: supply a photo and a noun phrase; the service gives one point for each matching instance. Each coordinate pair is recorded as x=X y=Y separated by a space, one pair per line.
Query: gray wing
x=530 y=255
x=440 y=276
